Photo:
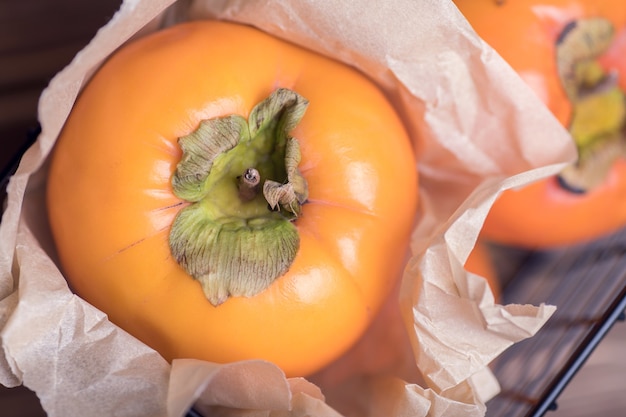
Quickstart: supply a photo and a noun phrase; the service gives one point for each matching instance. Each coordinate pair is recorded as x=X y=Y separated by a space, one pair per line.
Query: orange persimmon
x=225 y=195
x=571 y=53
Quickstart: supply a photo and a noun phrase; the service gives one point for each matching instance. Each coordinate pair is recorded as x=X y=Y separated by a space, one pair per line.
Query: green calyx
x=599 y=105
x=244 y=187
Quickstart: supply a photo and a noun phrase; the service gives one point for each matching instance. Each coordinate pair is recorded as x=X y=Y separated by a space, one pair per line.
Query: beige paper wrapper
x=478 y=129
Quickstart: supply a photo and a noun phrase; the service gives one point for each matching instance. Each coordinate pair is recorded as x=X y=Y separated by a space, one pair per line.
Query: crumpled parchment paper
x=477 y=130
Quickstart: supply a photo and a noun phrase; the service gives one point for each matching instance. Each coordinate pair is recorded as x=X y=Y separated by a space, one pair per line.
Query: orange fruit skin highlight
x=524 y=33
x=111 y=204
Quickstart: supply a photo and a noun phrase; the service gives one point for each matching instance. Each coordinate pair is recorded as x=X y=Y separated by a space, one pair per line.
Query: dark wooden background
x=37 y=39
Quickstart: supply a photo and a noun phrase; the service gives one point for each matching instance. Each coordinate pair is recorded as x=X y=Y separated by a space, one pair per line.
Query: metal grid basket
x=587 y=283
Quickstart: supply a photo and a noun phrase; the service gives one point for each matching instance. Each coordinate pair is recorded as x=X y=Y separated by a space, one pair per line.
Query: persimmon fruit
x=225 y=195
x=572 y=54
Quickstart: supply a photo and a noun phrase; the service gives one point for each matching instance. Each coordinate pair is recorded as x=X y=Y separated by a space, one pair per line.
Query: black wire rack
x=586 y=282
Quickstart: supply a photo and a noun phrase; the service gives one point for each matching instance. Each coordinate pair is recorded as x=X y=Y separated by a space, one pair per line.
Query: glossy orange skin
x=524 y=33
x=111 y=204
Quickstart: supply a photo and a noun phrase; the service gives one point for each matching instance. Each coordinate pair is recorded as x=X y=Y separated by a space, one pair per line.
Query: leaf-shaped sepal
x=232 y=257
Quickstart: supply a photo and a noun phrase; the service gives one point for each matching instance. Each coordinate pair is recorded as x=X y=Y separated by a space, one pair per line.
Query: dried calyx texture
x=599 y=105
x=242 y=181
